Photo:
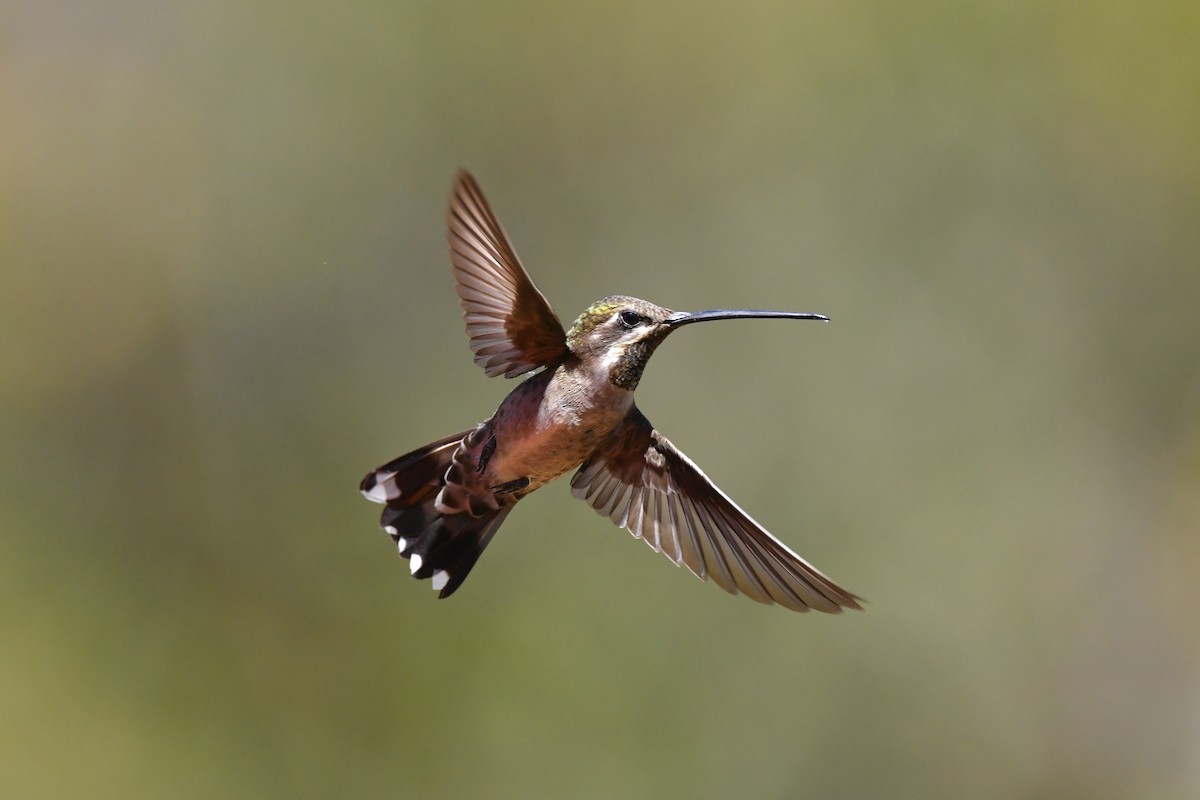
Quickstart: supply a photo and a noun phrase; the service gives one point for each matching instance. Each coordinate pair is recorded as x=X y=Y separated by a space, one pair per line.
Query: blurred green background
x=224 y=295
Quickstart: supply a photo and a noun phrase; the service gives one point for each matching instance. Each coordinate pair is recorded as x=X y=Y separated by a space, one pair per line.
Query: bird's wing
x=644 y=484
x=513 y=329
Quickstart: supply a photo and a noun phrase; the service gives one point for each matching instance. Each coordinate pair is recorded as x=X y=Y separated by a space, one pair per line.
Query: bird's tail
x=438 y=545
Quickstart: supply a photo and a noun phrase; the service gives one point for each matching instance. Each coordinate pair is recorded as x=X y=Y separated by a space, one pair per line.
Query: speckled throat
x=627 y=370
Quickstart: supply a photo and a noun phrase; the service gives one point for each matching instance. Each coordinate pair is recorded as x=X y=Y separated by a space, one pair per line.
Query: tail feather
x=451 y=546
x=442 y=547
x=407 y=480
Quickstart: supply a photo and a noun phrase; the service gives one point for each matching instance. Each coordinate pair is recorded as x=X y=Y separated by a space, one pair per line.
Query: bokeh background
x=224 y=296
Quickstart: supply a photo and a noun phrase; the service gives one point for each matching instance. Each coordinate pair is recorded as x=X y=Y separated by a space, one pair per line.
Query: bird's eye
x=631 y=319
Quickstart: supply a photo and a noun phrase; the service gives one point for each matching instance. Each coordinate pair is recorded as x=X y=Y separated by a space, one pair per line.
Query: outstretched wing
x=512 y=328
x=640 y=481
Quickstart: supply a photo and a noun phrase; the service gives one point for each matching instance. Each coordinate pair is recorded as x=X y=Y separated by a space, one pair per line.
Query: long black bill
x=688 y=317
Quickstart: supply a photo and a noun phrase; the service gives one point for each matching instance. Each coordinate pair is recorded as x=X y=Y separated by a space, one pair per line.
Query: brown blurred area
x=224 y=295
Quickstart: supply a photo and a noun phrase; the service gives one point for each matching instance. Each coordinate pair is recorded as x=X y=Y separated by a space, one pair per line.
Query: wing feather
x=644 y=484
x=512 y=328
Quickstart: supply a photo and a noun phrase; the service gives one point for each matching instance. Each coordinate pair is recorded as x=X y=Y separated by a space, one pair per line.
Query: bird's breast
x=552 y=422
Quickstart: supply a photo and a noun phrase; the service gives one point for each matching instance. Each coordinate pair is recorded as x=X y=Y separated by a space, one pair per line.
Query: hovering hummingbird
x=444 y=501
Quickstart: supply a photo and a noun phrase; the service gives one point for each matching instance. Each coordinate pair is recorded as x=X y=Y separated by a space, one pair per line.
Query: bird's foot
x=508 y=487
x=485 y=455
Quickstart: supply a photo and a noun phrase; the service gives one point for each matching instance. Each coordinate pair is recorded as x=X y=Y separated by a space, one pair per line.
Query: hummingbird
x=444 y=501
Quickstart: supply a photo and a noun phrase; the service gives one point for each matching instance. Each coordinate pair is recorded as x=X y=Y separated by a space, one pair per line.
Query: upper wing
x=644 y=484
x=513 y=330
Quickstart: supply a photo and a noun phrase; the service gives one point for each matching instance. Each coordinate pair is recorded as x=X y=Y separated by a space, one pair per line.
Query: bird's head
x=620 y=333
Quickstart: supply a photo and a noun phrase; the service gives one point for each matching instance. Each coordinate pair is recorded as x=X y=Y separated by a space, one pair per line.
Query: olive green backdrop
x=224 y=296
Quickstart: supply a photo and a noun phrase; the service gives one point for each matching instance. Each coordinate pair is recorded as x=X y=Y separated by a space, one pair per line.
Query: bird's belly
x=542 y=456
x=544 y=442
